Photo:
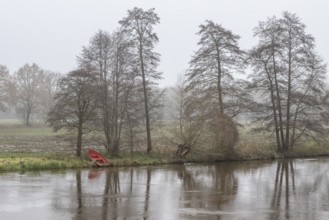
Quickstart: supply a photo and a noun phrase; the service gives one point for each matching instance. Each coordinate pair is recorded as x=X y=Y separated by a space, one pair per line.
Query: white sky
x=51 y=33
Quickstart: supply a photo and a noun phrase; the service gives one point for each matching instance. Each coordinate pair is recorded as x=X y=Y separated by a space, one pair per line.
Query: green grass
x=43 y=161
x=28 y=162
x=139 y=158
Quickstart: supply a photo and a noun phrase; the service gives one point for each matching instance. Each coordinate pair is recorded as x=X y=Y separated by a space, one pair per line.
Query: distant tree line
x=114 y=90
x=30 y=91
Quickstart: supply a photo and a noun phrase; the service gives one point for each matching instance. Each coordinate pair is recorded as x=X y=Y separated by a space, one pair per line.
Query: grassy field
x=22 y=131
x=15 y=137
x=39 y=148
x=14 y=128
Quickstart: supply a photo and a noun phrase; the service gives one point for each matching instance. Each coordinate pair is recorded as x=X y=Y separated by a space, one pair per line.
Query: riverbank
x=21 y=162
x=50 y=161
x=38 y=148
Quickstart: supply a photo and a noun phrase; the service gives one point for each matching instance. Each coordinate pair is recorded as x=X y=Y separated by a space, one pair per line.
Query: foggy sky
x=52 y=33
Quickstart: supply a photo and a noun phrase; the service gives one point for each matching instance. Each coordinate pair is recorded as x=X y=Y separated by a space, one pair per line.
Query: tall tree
x=96 y=58
x=75 y=105
x=28 y=80
x=6 y=88
x=121 y=85
x=138 y=25
x=288 y=71
x=110 y=58
x=212 y=67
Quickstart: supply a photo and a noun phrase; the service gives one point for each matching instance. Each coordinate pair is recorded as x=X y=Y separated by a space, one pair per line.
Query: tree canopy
x=289 y=75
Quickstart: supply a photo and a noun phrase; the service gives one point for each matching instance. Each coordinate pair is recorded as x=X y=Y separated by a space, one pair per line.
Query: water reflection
x=283 y=188
x=208 y=188
x=79 y=192
x=286 y=189
x=147 y=193
x=112 y=187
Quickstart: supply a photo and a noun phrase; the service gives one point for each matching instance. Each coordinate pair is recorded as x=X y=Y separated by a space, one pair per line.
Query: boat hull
x=97 y=159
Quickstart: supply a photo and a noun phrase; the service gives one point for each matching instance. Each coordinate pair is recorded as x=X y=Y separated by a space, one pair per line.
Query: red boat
x=97 y=158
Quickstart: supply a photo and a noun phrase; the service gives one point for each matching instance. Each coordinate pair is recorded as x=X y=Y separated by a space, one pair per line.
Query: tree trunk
x=115 y=121
x=281 y=148
x=287 y=145
x=147 y=116
x=28 y=115
x=79 y=140
x=107 y=131
x=276 y=124
x=131 y=133
x=219 y=82
x=106 y=126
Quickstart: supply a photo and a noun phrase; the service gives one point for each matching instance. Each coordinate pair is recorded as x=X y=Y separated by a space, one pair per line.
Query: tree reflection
x=287 y=189
x=189 y=182
x=284 y=186
x=79 y=191
x=226 y=181
x=120 y=202
x=112 y=188
x=207 y=187
x=79 y=214
x=147 y=193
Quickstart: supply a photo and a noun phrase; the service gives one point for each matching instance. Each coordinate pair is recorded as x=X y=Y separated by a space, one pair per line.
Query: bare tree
x=212 y=67
x=6 y=88
x=75 y=105
x=111 y=60
x=138 y=25
x=96 y=58
x=28 y=80
x=289 y=77
x=188 y=124
x=121 y=85
x=215 y=92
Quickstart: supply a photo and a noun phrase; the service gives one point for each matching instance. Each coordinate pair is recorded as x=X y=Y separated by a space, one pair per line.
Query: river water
x=285 y=189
